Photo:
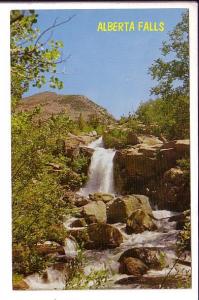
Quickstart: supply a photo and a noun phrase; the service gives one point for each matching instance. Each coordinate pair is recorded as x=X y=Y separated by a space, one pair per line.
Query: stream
x=101 y=180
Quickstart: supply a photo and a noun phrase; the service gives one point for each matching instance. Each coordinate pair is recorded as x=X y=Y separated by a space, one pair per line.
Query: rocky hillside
x=153 y=168
x=73 y=105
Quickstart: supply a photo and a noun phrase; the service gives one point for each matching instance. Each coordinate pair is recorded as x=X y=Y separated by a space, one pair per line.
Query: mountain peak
x=73 y=105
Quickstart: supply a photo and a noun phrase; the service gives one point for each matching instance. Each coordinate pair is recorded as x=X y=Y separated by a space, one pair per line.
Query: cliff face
x=151 y=169
x=73 y=105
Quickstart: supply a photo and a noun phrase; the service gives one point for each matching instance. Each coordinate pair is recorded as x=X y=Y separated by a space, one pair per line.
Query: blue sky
x=110 y=68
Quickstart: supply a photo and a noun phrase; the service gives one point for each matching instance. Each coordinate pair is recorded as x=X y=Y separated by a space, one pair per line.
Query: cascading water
x=100 y=171
x=101 y=180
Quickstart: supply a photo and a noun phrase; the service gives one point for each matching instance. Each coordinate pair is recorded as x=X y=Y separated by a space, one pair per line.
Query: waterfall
x=100 y=171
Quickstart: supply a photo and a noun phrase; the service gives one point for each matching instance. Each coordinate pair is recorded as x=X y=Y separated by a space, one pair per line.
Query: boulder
x=181 y=147
x=78 y=223
x=139 y=221
x=74 y=145
x=149 y=140
x=153 y=282
x=101 y=197
x=174 y=175
x=174 y=190
x=49 y=247
x=121 y=208
x=153 y=257
x=80 y=235
x=62 y=259
x=95 y=212
x=132 y=266
x=86 y=139
x=71 y=147
x=98 y=236
x=20 y=285
x=103 y=236
x=148 y=151
x=167 y=158
x=180 y=219
x=85 y=151
x=80 y=201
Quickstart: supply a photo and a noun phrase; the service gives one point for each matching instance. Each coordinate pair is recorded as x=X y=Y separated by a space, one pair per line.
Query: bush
x=26 y=260
x=184 y=238
x=38 y=188
x=115 y=138
x=168 y=117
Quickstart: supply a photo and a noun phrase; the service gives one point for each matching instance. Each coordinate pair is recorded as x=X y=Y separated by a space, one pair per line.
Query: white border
x=6 y=291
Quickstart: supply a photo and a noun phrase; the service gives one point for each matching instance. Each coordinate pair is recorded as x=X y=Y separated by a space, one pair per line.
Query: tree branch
x=52 y=27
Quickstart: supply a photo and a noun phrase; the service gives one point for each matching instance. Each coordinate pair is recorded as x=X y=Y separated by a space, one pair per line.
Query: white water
x=101 y=180
x=55 y=277
x=100 y=171
x=55 y=280
x=70 y=248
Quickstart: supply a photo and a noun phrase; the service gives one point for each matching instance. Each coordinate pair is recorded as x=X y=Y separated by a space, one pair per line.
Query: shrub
x=37 y=188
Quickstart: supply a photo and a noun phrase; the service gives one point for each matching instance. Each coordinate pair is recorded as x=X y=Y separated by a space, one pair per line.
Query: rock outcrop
x=173 y=192
x=150 y=168
x=75 y=145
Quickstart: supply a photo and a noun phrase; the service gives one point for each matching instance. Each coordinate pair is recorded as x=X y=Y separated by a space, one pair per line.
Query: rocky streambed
x=123 y=235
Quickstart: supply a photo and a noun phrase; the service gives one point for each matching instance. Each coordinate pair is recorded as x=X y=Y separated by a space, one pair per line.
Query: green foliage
x=40 y=169
x=134 y=124
x=32 y=55
x=173 y=73
x=79 y=280
x=16 y=278
x=184 y=164
x=81 y=122
x=169 y=114
x=184 y=280
x=171 y=117
x=41 y=173
x=162 y=259
x=94 y=280
x=184 y=238
x=80 y=164
x=94 y=121
x=26 y=260
x=92 y=124
x=115 y=138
